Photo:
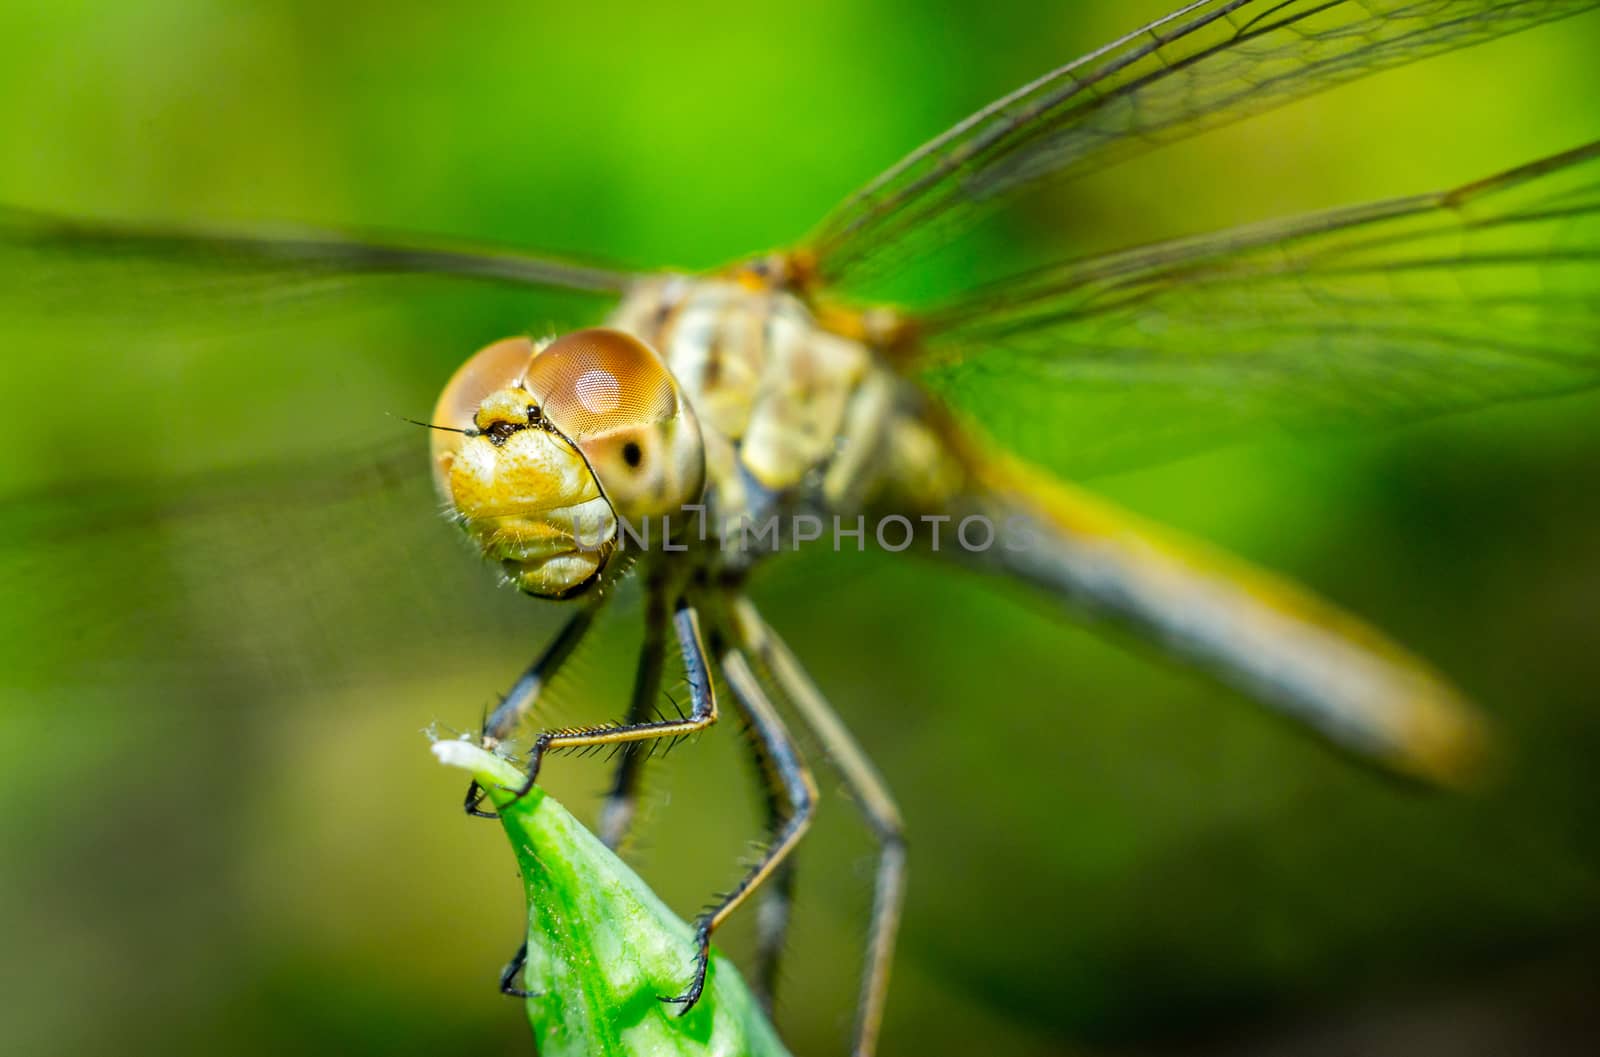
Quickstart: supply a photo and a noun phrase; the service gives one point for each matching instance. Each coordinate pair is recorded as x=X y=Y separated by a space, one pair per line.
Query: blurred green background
x=222 y=831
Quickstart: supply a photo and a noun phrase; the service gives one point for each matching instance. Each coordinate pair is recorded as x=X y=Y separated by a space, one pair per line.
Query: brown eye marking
x=632 y=454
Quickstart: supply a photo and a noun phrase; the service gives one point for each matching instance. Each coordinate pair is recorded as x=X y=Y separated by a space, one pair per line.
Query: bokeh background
x=229 y=613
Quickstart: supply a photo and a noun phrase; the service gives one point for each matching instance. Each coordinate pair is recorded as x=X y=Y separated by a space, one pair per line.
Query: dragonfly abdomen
x=1275 y=641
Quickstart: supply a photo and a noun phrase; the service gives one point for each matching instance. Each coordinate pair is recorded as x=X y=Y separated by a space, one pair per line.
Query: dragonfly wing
x=46 y=257
x=153 y=327
x=1206 y=65
x=295 y=581
x=1381 y=313
x=207 y=499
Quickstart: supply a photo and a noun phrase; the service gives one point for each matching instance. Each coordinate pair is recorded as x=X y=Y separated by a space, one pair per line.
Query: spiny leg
x=704 y=712
x=519 y=700
x=799 y=795
x=524 y=693
x=772 y=932
x=777 y=895
x=871 y=795
x=617 y=813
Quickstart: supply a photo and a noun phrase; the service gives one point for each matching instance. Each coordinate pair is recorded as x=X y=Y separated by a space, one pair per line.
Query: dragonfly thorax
x=798 y=416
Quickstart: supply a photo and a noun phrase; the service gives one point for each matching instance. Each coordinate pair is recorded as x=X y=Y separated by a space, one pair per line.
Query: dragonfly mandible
x=710 y=407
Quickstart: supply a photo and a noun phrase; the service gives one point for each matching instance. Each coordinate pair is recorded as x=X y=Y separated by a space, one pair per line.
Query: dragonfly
x=717 y=418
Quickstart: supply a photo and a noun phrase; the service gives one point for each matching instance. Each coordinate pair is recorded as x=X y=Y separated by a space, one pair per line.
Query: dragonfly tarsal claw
x=475 y=796
x=513 y=969
x=702 y=959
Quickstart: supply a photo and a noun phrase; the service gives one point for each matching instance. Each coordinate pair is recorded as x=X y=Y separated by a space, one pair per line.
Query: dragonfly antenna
x=430 y=425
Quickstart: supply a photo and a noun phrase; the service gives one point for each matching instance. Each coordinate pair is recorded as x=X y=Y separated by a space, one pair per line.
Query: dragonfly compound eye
x=616 y=400
x=523 y=492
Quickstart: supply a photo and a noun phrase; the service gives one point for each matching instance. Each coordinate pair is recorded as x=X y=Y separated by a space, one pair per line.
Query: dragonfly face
x=539 y=449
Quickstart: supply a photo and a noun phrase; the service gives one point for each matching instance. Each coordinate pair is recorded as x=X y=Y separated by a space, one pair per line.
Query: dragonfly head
x=544 y=447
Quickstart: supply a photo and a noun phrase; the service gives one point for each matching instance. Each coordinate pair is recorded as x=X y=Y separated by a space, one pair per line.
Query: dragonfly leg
x=872 y=797
x=513 y=969
x=704 y=713
x=524 y=693
x=686 y=624
x=616 y=815
x=777 y=895
x=798 y=793
x=772 y=931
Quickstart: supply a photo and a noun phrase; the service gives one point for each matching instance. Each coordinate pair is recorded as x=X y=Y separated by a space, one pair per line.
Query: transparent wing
x=253 y=345
x=47 y=259
x=1206 y=65
x=104 y=579
x=207 y=499
x=191 y=608
x=1386 y=312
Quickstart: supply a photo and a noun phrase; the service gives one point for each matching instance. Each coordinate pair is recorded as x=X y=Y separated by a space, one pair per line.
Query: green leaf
x=602 y=948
